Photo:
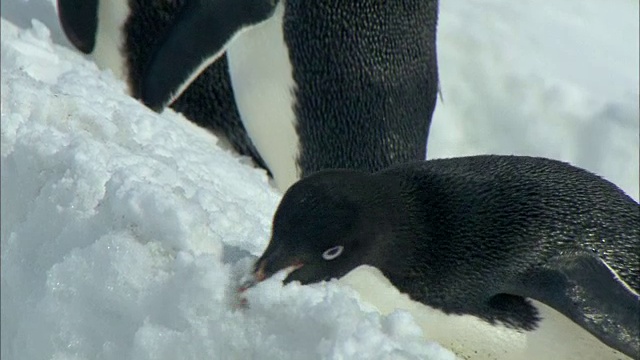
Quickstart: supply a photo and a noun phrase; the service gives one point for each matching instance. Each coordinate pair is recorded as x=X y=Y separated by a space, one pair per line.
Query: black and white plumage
x=498 y=257
x=300 y=86
x=120 y=35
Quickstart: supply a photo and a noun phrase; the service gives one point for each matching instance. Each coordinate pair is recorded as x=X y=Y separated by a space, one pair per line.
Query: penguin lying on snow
x=497 y=257
x=317 y=84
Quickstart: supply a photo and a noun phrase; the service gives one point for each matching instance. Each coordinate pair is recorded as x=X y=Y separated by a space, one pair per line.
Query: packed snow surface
x=124 y=232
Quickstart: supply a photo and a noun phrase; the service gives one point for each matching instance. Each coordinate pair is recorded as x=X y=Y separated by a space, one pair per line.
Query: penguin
x=318 y=84
x=497 y=257
x=298 y=86
x=120 y=35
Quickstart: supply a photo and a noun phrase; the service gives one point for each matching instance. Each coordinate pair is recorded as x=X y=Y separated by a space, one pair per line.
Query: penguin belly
x=112 y=16
x=263 y=86
x=469 y=337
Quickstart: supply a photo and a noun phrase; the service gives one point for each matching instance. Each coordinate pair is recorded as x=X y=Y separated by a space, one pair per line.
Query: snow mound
x=125 y=232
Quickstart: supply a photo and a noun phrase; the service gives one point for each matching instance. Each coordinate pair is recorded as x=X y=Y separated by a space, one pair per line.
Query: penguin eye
x=332 y=252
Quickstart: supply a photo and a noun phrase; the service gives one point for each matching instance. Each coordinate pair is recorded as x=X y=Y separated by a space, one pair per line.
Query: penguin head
x=325 y=226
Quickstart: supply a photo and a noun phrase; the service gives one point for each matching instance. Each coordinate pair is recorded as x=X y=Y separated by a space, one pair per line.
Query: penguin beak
x=260 y=274
x=264 y=270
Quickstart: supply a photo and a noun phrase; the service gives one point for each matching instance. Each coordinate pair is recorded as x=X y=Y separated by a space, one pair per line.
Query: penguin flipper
x=585 y=289
x=197 y=38
x=79 y=20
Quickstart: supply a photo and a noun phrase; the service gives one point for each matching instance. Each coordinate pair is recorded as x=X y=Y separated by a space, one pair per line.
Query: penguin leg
x=198 y=37
x=585 y=289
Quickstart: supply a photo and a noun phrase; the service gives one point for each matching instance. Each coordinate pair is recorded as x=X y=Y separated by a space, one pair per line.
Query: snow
x=555 y=78
x=124 y=232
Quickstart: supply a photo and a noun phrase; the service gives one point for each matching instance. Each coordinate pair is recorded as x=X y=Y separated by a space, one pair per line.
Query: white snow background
x=124 y=232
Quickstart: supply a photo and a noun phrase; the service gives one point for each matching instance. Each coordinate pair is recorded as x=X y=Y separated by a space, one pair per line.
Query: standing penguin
x=497 y=257
x=120 y=35
x=318 y=84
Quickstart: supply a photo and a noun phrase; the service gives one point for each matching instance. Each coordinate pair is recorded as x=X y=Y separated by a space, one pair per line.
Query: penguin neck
x=404 y=236
x=394 y=231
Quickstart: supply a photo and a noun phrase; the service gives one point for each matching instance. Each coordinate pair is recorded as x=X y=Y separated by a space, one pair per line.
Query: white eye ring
x=333 y=252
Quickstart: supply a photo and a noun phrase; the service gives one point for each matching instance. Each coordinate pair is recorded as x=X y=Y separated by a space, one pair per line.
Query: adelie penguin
x=497 y=257
x=300 y=86
x=120 y=35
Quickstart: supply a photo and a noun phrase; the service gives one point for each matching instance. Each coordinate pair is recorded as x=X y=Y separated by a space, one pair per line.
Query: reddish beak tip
x=257 y=277
x=246 y=285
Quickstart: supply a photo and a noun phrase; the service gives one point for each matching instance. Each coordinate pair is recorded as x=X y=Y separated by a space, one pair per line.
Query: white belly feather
x=112 y=15
x=263 y=86
x=556 y=338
